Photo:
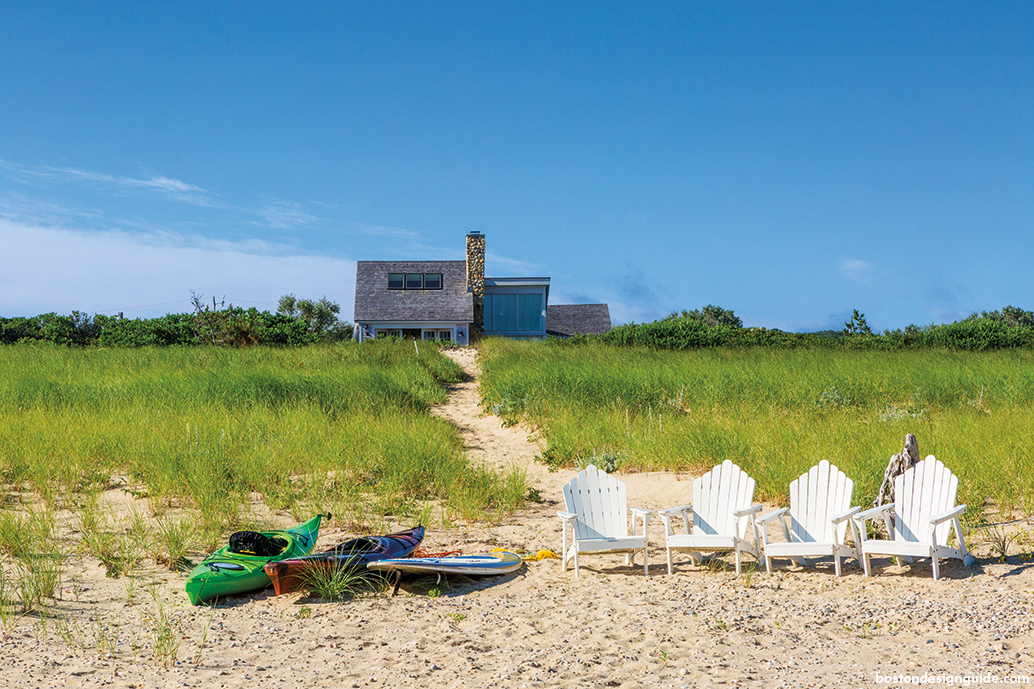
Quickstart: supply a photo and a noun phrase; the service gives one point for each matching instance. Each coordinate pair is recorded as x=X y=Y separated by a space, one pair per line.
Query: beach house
x=454 y=301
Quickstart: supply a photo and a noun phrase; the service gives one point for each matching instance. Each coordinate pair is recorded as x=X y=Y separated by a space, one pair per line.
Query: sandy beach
x=702 y=626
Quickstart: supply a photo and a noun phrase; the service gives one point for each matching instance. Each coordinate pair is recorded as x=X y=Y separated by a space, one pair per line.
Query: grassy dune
x=341 y=428
x=777 y=412
x=210 y=441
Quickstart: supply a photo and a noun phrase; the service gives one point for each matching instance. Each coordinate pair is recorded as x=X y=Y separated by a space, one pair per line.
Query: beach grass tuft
x=337 y=583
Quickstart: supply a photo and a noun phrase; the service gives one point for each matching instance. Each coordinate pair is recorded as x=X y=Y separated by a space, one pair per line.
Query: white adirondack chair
x=723 y=516
x=924 y=512
x=598 y=519
x=819 y=513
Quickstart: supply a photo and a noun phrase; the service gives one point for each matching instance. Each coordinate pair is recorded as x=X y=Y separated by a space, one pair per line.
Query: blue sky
x=789 y=161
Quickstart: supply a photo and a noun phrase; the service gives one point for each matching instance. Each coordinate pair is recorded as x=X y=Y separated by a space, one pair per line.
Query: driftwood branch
x=899 y=464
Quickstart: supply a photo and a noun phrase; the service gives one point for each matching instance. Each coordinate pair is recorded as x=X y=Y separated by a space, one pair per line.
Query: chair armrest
x=643 y=514
x=772 y=516
x=846 y=515
x=667 y=514
x=955 y=512
x=567 y=516
x=747 y=511
x=869 y=514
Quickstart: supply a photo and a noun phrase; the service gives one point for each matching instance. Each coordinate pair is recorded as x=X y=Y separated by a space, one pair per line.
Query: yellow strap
x=543 y=555
x=540 y=555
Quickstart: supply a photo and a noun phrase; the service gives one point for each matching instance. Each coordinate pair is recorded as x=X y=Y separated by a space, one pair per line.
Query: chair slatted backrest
x=925 y=491
x=816 y=497
x=599 y=502
x=716 y=495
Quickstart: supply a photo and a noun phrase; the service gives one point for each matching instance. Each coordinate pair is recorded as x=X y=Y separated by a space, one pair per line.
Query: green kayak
x=233 y=569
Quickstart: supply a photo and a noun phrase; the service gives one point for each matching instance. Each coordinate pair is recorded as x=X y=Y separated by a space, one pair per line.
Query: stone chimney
x=476 y=281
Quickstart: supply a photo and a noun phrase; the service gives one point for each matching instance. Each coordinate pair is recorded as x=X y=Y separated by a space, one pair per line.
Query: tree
x=320 y=317
x=210 y=322
x=1010 y=316
x=1015 y=316
x=857 y=325
x=228 y=326
x=711 y=315
x=288 y=306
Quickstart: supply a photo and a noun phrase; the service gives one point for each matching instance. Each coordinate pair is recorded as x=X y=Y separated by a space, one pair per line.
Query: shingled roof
x=564 y=320
x=375 y=302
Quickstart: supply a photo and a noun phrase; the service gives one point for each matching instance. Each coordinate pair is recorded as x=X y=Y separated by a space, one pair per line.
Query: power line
x=143 y=306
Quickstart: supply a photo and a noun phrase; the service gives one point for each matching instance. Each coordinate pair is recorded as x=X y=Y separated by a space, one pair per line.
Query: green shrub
x=681 y=333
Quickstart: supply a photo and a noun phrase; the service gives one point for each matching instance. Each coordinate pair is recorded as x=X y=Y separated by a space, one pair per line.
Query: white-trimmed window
x=439 y=335
x=414 y=280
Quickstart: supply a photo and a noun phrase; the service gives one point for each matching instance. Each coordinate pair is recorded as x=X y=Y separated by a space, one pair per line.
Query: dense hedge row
x=1009 y=329
x=684 y=333
x=233 y=326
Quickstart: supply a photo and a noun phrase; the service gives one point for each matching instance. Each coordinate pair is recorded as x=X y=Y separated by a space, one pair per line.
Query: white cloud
x=622 y=312
x=178 y=189
x=384 y=231
x=158 y=183
x=285 y=215
x=18 y=207
x=55 y=269
x=501 y=266
x=857 y=269
x=411 y=246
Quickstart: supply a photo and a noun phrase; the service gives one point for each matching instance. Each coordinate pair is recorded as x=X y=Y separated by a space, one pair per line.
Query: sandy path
x=614 y=627
x=485 y=438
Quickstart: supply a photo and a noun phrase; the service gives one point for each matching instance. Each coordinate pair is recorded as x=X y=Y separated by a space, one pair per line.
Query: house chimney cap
x=474 y=232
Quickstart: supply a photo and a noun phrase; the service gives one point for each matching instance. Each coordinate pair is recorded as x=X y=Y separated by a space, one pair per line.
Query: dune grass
x=205 y=428
x=339 y=583
x=776 y=413
x=203 y=434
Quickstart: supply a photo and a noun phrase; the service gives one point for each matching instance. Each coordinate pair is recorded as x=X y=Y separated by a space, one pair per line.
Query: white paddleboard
x=477 y=565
